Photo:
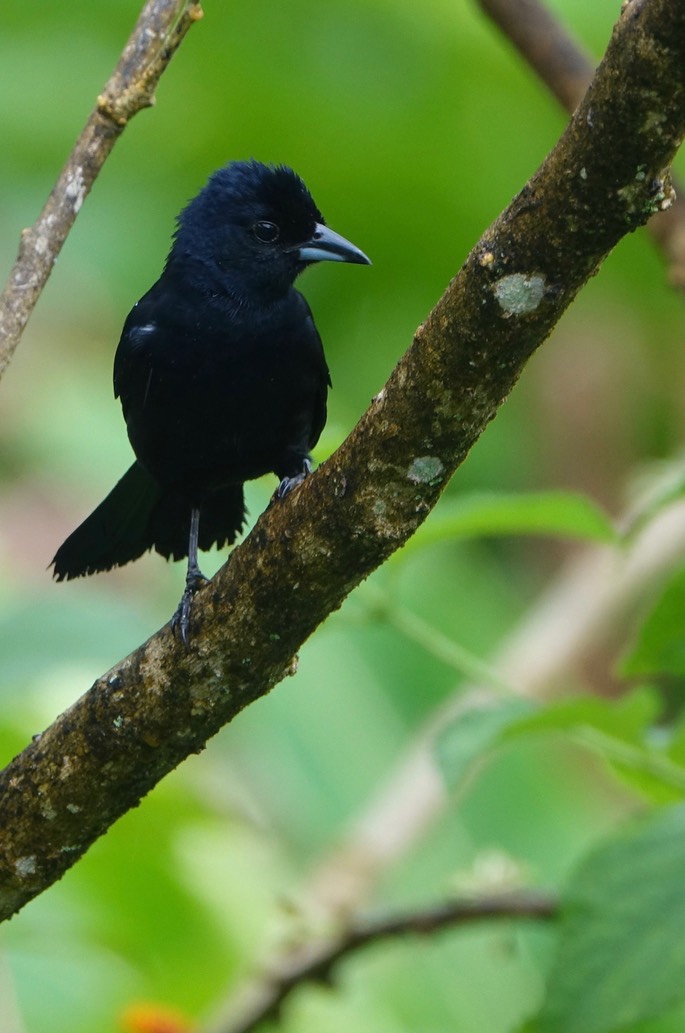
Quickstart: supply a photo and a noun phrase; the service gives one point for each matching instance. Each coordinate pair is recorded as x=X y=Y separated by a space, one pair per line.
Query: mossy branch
x=606 y=175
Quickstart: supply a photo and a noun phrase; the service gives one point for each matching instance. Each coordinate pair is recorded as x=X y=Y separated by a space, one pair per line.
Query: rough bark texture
x=606 y=176
x=160 y=28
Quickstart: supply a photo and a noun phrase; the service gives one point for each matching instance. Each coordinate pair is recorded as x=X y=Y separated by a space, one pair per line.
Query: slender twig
x=158 y=32
x=384 y=606
x=565 y=68
x=316 y=961
x=559 y=60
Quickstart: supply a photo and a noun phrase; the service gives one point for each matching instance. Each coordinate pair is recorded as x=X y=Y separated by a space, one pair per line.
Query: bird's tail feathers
x=222 y=517
x=115 y=532
x=138 y=515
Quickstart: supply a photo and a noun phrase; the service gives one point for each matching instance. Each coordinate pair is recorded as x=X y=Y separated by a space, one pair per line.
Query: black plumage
x=221 y=375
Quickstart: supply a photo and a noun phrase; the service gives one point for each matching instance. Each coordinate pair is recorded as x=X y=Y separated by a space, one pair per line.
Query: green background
x=413 y=125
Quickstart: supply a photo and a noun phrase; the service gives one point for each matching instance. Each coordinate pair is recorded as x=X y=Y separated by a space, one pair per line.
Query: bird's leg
x=195 y=579
x=288 y=483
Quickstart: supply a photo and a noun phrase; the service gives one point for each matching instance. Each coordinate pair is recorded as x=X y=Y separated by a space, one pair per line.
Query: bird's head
x=259 y=224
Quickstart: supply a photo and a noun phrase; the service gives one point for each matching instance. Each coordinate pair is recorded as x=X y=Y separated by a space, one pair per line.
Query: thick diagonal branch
x=604 y=178
x=160 y=28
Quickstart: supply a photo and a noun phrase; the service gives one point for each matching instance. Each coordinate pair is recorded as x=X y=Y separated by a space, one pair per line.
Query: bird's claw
x=180 y=622
x=288 y=483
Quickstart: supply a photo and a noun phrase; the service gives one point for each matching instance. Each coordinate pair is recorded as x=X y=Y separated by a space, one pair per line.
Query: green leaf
x=482 y=728
x=621 y=953
x=660 y=645
x=474 y=732
x=620 y=731
x=617 y=730
x=626 y=719
x=557 y=513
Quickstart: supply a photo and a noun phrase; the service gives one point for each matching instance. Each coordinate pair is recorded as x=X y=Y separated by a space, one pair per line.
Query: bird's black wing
x=141 y=339
x=321 y=377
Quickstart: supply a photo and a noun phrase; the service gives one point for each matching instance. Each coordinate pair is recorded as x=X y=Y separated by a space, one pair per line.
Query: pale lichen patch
x=425 y=470
x=76 y=188
x=518 y=294
x=26 y=865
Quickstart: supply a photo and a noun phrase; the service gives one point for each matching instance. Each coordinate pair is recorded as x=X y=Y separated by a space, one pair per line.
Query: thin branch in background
x=566 y=69
x=382 y=605
x=316 y=961
x=158 y=33
x=550 y=50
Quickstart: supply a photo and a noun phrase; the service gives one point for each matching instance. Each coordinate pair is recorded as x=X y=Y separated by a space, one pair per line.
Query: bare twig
x=559 y=60
x=315 y=961
x=160 y=28
x=605 y=176
x=566 y=70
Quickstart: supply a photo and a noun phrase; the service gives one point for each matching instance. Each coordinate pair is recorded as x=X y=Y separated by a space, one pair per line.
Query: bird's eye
x=267 y=232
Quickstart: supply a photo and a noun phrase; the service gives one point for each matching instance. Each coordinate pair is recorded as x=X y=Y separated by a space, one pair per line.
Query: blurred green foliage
x=413 y=124
x=614 y=910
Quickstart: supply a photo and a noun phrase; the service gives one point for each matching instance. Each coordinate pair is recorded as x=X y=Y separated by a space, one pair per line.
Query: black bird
x=221 y=375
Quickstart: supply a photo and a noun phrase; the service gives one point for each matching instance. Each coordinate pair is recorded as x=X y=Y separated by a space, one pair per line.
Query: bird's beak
x=325 y=245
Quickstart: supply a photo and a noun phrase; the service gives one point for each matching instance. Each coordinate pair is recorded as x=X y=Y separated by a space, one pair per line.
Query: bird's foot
x=288 y=483
x=180 y=622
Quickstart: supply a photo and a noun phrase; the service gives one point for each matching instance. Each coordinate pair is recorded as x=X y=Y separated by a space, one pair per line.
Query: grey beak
x=325 y=245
